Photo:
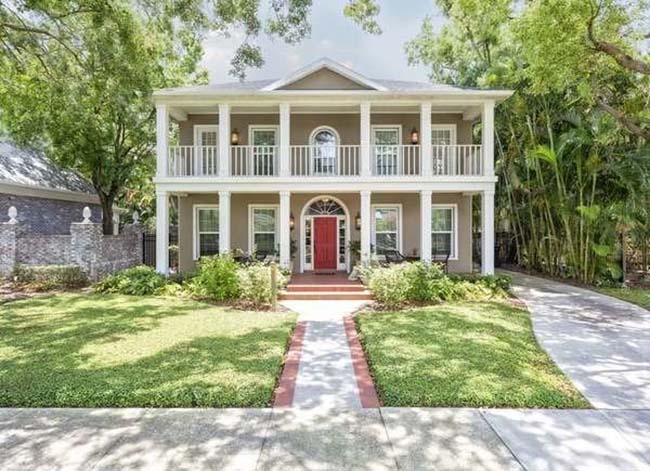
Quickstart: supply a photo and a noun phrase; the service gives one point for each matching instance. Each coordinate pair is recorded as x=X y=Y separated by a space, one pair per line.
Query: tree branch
x=625 y=120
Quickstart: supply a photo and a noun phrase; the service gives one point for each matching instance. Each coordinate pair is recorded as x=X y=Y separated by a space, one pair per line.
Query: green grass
x=110 y=350
x=640 y=296
x=466 y=354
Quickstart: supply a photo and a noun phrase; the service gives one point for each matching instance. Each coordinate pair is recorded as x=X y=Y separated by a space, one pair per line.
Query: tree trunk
x=107 y=212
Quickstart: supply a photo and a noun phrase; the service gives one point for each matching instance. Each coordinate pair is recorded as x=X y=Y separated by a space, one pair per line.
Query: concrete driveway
x=601 y=343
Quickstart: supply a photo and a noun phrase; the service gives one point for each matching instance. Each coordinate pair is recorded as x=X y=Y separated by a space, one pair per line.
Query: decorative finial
x=136 y=217
x=86 y=214
x=12 y=213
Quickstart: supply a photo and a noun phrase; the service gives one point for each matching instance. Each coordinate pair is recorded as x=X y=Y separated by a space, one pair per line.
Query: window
x=386 y=140
x=387 y=228
x=206 y=230
x=443 y=231
x=264 y=142
x=442 y=136
x=206 y=138
x=264 y=229
x=325 y=143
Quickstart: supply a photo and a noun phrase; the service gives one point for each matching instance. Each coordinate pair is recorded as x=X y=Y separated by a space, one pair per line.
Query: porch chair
x=442 y=259
x=394 y=257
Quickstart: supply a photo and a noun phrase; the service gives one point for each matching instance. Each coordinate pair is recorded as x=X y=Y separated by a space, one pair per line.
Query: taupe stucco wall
x=324 y=79
x=410 y=202
x=347 y=125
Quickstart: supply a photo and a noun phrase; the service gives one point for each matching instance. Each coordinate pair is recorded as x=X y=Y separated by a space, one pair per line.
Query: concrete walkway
x=310 y=439
x=601 y=343
x=326 y=377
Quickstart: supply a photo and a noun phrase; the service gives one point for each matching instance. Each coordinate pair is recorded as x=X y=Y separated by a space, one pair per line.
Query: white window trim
x=324 y=127
x=373 y=235
x=263 y=127
x=446 y=127
x=379 y=127
x=251 y=233
x=195 y=226
x=199 y=128
x=454 y=222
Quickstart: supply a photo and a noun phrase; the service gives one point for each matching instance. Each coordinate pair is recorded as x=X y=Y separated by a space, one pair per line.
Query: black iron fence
x=149 y=249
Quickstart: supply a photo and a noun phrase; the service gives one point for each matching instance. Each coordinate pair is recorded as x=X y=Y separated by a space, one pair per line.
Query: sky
x=336 y=37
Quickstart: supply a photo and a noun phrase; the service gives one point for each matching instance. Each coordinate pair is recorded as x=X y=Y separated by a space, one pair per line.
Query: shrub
x=48 y=277
x=216 y=279
x=397 y=285
x=255 y=284
x=139 y=281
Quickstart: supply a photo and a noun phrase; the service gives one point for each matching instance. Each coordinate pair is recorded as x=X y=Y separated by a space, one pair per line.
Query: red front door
x=325 y=243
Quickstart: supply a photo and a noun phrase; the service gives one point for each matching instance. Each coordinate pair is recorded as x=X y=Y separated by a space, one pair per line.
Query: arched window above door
x=325 y=207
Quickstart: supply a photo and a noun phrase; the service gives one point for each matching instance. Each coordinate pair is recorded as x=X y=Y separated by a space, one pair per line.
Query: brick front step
x=326 y=287
x=363 y=295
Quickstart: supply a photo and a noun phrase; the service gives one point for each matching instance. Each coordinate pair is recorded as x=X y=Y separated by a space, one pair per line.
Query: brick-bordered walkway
x=325 y=365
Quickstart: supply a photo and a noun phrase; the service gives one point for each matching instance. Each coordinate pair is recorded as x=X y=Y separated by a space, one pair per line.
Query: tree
x=77 y=75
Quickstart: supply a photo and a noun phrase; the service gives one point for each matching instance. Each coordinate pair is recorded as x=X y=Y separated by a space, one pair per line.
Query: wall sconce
x=357 y=222
x=234 y=137
x=292 y=222
x=415 y=136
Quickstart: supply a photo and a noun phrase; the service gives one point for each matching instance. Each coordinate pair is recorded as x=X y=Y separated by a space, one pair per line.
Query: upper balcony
x=332 y=160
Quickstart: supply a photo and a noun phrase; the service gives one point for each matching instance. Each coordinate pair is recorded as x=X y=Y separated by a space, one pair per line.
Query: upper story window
x=264 y=140
x=325 y=141
x=443 y=136
x=386 y=140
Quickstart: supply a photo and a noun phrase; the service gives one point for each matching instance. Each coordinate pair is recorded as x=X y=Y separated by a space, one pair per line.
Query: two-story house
x=323 y=158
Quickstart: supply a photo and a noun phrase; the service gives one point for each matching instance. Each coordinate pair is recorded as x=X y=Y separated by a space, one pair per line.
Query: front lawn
x=464 y=354
x=640 y=296
x=111 y=350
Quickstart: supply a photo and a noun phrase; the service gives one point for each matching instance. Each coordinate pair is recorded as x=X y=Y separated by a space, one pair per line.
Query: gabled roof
x=325 y=64
x=28 y=167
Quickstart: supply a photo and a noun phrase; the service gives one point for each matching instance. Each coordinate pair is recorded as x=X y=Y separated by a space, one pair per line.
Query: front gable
x=325 y=74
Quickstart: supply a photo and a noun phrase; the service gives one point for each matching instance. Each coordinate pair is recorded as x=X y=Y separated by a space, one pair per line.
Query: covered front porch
x=324 y=231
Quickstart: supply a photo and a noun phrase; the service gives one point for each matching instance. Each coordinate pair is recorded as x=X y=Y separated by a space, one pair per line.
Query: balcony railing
x=401 y=160
x=254 y=161
x=457 y=160
x=193 y=161
x=326 y=161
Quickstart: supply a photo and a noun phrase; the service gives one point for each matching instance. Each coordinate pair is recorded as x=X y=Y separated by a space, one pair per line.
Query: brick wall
x=46 y=216
x=85 y=246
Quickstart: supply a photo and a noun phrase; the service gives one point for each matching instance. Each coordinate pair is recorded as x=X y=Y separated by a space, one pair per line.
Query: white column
x=487 y=232
x=366 y=222
x=425 y=226
x=162 y=139
x=487 y=137
x=285 y=230
x=224 y=140
x=285 y=139
x=162 y=232
x=425 y=138
x=364 y=139
x=224 y=222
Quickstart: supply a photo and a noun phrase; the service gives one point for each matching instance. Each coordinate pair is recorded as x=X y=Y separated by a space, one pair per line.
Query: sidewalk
x=308 y=439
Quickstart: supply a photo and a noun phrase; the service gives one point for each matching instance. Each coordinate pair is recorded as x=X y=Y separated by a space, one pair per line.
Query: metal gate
x=149 y=248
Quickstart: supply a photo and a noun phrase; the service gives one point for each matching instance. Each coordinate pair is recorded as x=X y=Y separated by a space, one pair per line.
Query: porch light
x=292 y=222
x=234 y=137
x=357 y=222
x=415 y=136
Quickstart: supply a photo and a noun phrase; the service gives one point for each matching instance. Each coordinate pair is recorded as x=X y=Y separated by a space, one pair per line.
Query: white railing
x=454 y=160
x=395 y=160
x=193 y=161
x=325 y=161
x=253 y=161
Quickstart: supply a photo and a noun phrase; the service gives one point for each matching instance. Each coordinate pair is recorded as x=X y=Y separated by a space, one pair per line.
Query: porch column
x=224 y=140
x=366 y=221
x=224 y=222
x=487 y=232
x=162 y=139
x=285 y=140
x=425 y=138
x=364 y=139
x=162 y=232
x=285 y=230
x=425 y=226
x=487 y=137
